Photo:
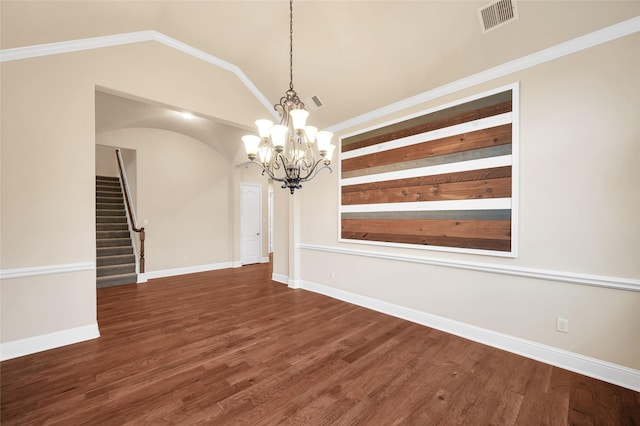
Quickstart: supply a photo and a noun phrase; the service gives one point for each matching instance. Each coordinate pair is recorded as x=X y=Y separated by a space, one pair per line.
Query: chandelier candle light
x=290 y=152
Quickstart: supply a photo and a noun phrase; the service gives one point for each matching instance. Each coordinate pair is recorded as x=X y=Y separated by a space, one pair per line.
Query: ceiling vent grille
x=313 y=103
x=496 y=14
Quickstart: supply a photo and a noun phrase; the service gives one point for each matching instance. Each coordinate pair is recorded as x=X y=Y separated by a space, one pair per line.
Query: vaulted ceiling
x=356 y=56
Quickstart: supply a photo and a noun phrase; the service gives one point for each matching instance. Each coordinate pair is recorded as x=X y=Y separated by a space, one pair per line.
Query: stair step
x=107 y=187
x=110 y=212
x=109 y=206
x=109 y=200
x=113 y=242
x=108 y=178
x=110 y=219
x=113 y=251
x=114 y=280
x=109 y=196
x=101 y=235
x=115 y=258
x=112 y=226
x=118 y=259
x=125 y=268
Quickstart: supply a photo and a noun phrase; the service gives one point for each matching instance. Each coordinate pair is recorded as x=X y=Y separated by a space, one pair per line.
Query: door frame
x=260 y=231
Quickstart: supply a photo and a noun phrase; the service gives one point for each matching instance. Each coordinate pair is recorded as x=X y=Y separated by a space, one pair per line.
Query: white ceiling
x=356 y=56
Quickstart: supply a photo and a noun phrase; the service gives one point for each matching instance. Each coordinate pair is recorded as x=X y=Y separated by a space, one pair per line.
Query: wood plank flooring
x=231 y=347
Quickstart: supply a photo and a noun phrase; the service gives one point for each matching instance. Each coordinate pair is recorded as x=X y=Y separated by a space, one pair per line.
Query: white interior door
x=250 y=223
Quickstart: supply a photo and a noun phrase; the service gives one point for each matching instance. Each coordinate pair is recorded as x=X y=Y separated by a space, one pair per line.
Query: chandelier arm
x=268 y=172
x=316 y=171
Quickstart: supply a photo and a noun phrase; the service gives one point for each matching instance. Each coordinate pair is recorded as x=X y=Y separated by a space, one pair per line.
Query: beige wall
x=106 y=161
x=578 y=214
x=48 y=167
x=180 y=183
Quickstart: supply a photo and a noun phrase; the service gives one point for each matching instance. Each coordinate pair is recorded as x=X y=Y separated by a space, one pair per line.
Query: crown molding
x=587 y=41
x=595 y=38
x=27 y=52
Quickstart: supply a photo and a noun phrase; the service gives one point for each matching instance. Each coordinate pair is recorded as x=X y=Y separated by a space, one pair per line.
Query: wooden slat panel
x=492 y=173
x=484 y=138
x=416 y=191
x=439 y=160
x=443 y=185
x=438 y=120
x=493 y=188
x=466 y=243
x=433 y=214
x=486 y=229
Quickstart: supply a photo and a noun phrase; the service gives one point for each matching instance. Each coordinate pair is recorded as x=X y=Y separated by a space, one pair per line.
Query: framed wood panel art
x=442 y=179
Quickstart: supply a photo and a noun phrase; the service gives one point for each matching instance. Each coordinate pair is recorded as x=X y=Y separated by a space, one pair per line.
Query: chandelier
x=290 y=152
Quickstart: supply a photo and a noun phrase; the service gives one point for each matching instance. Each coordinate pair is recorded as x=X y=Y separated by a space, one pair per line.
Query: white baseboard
x=265 y=260
x=598 y=369
x=31 y=345
x=280 y=278
x=186 y=270
x=236 y=264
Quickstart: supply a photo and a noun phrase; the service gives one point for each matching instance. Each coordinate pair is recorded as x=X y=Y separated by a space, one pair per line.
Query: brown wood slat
x=478 y=189
x=438 y=241
x=470 y=175
x=396 y=131
x=499 y=135
x=231 y=347
x=473 y=229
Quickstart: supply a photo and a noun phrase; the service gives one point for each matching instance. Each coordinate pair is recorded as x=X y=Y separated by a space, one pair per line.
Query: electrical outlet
x=562 y=325
x=332 y=275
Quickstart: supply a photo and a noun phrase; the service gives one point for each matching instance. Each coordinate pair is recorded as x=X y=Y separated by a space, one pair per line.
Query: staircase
x=116 y=262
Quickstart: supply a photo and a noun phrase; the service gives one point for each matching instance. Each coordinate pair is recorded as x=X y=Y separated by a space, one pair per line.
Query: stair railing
x=131 y=212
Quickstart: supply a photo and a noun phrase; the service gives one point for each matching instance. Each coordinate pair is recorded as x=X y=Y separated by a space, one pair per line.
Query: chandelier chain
x=291 y=44
x=288 y=152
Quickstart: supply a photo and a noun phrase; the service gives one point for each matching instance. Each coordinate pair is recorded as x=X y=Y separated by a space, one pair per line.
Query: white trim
x=499 y=203
x=69 y=46
x=280 y=278
x=236 y=264
x=460 y=166
x=480 y=252
x=592 y=367
x=187 y=270
x=515 y=170
x=243 y=210
x=613 y=32
x=475 y=204
x=265 y=259
x=457 y=129
x=44 y=342
x=617 y=283
x=6 y=274
x=294 y=284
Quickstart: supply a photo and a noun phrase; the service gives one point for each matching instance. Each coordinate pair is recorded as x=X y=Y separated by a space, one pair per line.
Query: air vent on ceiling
x=497 y=13
x=313 y=103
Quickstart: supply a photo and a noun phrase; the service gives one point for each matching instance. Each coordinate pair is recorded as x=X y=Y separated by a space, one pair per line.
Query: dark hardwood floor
x=232 y=347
